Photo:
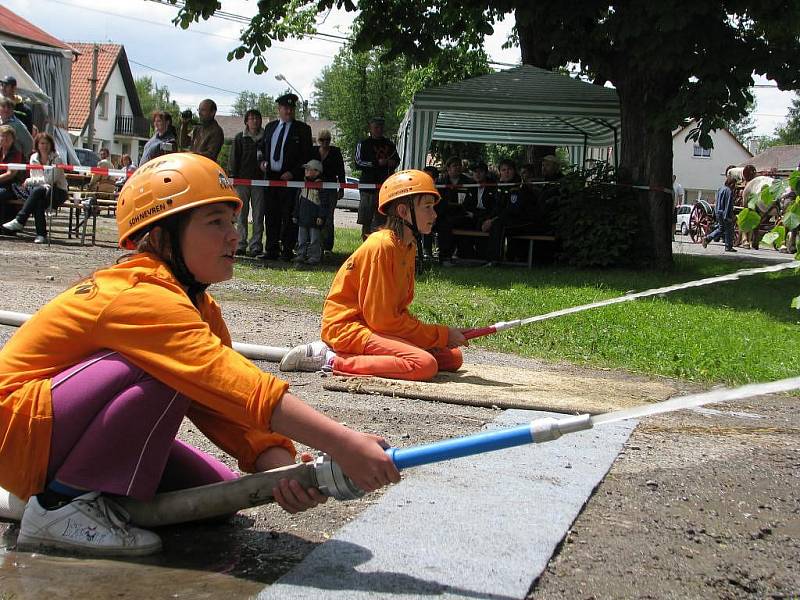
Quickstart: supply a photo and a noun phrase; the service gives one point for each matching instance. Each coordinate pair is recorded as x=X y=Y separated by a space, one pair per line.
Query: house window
x=700 y=152
x=102 y=106
x=120 y=106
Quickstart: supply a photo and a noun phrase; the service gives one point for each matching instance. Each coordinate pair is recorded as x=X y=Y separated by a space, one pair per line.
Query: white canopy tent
x=25 y=84
x=524 y=105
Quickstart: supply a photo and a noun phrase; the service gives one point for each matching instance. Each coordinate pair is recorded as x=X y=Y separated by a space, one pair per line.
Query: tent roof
x=523 y=105
x=26 y=86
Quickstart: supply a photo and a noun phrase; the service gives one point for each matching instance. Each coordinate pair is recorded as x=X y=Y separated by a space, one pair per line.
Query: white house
x=119 y=124
x=700 y=171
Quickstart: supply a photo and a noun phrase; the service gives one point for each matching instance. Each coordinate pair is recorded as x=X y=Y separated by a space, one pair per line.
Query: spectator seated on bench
x=9 y=180
x=451 y=212
x=42 y=190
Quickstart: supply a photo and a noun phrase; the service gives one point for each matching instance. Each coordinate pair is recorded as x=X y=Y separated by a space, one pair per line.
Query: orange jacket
x=138 y=309
x=371 y=293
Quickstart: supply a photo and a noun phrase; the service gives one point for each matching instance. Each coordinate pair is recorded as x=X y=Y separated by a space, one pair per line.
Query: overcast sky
x=193 y=65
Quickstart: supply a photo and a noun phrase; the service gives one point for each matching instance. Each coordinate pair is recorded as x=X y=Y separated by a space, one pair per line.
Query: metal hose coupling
x=549 y=428
x=332 y=481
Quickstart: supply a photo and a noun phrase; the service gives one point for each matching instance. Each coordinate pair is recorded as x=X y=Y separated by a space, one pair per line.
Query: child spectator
x=366 y=326
x=310 y=211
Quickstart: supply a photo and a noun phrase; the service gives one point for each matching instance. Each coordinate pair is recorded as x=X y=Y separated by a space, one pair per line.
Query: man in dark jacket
x=377 y=158
x=244 y=163
x=286 y=147
x=723 y=209
x=451 y=212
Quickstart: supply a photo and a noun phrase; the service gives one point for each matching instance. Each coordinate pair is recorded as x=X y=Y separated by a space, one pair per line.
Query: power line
x=172 y=28
x=183 y=78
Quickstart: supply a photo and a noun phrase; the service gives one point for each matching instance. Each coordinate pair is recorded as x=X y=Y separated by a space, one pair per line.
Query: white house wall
x=702 y=176
x=104 y=128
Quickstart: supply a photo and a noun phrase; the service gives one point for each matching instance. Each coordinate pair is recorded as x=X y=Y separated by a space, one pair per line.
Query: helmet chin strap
x=417 y=236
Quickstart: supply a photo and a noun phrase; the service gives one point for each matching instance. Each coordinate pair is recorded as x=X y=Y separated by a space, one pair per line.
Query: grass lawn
x=734 y=332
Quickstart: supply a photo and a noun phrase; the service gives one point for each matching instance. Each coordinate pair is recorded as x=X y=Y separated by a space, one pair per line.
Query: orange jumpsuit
x=138 y=309
x=366 y=320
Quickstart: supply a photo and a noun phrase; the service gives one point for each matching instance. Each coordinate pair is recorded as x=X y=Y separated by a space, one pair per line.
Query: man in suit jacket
x=286 y=147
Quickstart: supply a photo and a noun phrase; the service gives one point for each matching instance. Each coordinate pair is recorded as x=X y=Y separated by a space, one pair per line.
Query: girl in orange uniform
x=95 y=385
x=366 y=326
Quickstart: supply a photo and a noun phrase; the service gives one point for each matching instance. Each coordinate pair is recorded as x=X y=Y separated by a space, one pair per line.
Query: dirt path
x=699 y=505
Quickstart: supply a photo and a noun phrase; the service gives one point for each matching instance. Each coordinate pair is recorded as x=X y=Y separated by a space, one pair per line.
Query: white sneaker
x=91 y=524
x=306 y=357
x=40 y=239
x=14 y=225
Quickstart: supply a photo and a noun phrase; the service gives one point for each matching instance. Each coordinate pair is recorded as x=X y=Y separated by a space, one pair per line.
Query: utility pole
x=92 y=98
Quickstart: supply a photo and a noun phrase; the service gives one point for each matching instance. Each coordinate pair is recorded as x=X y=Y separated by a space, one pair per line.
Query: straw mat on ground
x=508 y=387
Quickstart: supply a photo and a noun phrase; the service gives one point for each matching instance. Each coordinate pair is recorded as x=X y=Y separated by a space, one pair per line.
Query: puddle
x=198 y=561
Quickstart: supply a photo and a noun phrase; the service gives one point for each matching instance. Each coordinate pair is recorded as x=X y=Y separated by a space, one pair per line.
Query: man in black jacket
x=286 y=147
x=377 y=158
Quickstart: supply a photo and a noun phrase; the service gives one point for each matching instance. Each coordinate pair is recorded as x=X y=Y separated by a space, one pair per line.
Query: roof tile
x=14 y=25
x=80 y=84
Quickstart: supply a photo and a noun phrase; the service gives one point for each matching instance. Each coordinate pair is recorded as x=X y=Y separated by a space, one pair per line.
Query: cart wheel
x=699 y=223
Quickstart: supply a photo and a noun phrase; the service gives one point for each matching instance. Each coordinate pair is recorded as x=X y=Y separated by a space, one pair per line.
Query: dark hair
x=44 y=136
x=252 y=112
x=211 y=103
x=165 y=116
x=432 y=171
x=508 y=163
x=453 y=160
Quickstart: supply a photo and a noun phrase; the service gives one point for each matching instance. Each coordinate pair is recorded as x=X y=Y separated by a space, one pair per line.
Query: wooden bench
x=529 y=238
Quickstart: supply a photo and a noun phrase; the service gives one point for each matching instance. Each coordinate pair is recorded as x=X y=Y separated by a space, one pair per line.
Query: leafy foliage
x=595 y=219
x=263 y=102
x=355 y=87
x=153 y=98
x=789 y=132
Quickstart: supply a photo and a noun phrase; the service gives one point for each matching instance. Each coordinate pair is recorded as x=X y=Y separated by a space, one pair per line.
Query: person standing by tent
x=243 y=163
x=24 y=140
x=377 y=158
x=102 y=376
x=366 y=326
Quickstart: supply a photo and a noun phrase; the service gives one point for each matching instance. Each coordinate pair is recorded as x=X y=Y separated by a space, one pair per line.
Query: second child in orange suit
x=367 y=328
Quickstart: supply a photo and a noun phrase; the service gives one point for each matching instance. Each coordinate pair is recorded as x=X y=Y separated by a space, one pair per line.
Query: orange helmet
x=403 y=184
x=166 y=185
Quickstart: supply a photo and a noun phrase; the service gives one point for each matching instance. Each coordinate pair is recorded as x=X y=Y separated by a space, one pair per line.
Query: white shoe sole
x=30 y=543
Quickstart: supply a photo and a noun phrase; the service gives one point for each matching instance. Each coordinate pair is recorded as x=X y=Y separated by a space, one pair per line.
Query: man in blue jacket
x=723 y=208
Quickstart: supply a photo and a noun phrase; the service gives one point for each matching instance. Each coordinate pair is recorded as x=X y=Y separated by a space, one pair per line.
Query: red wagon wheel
x=700 y=221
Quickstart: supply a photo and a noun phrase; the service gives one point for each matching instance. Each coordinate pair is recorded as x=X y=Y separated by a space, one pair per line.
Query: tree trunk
x=646 y=155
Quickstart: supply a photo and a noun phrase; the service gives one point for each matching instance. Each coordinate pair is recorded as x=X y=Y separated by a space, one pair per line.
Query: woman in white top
x=37 y=189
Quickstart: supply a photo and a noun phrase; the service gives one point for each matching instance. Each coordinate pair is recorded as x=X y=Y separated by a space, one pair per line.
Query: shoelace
x=116 y=518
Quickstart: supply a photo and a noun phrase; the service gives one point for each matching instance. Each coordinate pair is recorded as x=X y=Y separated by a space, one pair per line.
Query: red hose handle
x=479 y=332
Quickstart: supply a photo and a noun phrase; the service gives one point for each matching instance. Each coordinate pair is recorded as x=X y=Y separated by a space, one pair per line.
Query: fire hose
x=224 y=498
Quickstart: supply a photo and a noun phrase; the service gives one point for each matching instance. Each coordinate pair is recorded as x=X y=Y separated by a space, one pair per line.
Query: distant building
x=119 y=124
x=699 y=170
x=776 y=158
x=232 y=124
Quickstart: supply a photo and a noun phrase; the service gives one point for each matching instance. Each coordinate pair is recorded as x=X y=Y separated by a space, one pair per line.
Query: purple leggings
x=114 y=430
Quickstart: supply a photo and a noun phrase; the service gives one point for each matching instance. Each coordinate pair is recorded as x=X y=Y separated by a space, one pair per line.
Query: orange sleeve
x=385 y=290
x=156 y=326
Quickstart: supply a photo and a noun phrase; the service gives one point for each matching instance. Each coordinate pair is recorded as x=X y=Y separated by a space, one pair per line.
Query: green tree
x=355 y=87
x=264 y=103
x=743 y=127
x=789 y=132
x=153 y=98
x=669 y=61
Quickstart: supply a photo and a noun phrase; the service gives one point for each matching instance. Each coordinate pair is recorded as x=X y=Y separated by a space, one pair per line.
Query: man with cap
x=207 y=137
x=287 y=146
x=8 y=86
x=7 y=117
x=377 y=158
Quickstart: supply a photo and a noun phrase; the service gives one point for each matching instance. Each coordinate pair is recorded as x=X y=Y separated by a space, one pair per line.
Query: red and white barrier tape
x=327 y=185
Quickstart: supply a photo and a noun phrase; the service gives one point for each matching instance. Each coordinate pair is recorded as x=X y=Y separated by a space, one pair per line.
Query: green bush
x=594 y=219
